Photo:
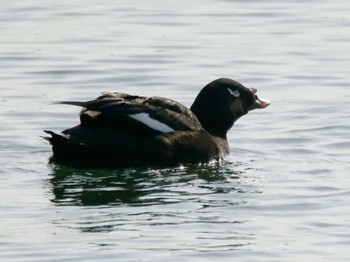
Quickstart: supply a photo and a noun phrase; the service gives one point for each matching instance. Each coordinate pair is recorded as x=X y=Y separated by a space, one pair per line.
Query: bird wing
x=157 y=113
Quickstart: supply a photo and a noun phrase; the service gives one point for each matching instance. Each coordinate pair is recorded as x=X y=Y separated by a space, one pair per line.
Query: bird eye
x=234 y=93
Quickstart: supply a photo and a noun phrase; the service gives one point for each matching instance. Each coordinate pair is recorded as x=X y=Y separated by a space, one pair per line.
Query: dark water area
x=281 y=195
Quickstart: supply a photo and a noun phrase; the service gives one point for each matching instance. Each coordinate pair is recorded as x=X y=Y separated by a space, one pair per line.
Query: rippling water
x=283 y=193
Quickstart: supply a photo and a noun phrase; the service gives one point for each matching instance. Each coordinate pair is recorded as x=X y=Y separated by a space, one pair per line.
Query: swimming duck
x=121 y=130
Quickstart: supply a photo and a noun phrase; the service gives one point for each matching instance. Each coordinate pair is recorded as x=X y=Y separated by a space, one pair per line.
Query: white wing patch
x=145 y=119
x=233 y=93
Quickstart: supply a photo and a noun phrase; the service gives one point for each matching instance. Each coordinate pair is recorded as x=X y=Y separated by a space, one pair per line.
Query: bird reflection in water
x=139 y=186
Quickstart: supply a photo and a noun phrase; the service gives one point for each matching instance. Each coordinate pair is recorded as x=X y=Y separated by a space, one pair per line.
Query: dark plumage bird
x=121 y=130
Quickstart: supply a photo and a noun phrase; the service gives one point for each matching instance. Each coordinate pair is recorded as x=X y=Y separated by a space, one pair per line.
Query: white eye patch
x=233 y=93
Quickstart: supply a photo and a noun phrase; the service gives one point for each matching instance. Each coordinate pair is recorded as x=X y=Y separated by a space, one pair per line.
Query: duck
x=119 y=130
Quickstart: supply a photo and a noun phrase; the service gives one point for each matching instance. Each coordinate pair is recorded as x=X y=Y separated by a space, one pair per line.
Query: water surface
x=282 y=194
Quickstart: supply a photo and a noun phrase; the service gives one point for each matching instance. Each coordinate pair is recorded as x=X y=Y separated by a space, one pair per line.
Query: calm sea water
x=282 y=195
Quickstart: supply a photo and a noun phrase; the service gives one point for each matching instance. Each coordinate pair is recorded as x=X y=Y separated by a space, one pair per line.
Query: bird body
x=122 y=130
